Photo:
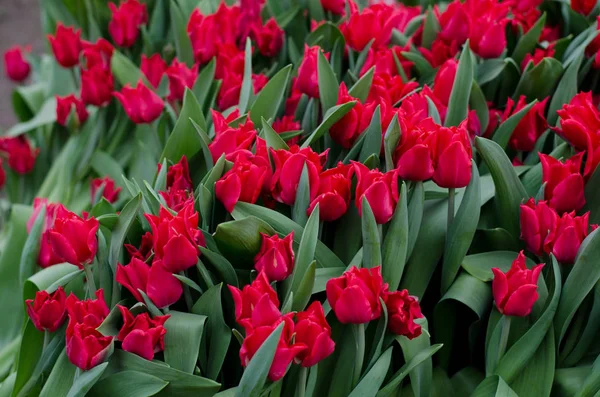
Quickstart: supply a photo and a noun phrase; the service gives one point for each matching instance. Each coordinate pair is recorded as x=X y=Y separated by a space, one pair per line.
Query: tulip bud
x=70 y=111
x=208 y=32
x=336 y=7
x=15 y=65
x=489 y=41
x=98 y=53
x=308 y=80
x=564 y=183
x=125 y=22
x=452 y=153
x=354 y=296
x=334 y=193
x=176 y=200
x=571 y=230
x=21 y=155
x=515 y=291
x=244 y=182
x=66 y=45
x=455 y=23
x=141 y=104
x=180 y=77
x=380 y=190
x=313 y=331
x=96 y=86
x=89 y=312
x=538 y=225
x=268 y=37
x=584 y=7
x=276 y=257
x=178 y=175
x=46 y=256
x=48 y=311
x=402 y=310
x=413 y=155
x=153 y=68
x=141 y=334
x=347 y=130
x=110 y=192
x=531 y=126
x=86 y=347
x=247 y=299
x=444 y=81
x=74 y=239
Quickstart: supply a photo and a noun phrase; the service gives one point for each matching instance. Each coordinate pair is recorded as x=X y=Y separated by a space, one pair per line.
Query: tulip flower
x=98 y=53
x=336 y=7
x=162 y=287
x=268 y=37
x=47 y=311
x=402 y=310
x=89 y=312
x=64 y=107
x=176 y=200
x=413 y=155
x=285 y=124
x=571 y=230
x=232 y=139
x=96 y=86
x=110 y=192
x=154 y=68
x=384 y=60
x=584 y=7
x=246 y=299
x=455 y=23
x=564 y=183
x=134 y=277
x=515 y=291
x=380 y=190
x=178 y=175
x=207 y=32
x=313 y=331
x=354 y=296
x=308 y=80
x=444 y=81
x=145 y=249
x=531 y=126
x=66 y=45
x=347 y=130
x=74 y=239
x=141 y=334
x=86 y=347
x=46 y=256
x=16 y=67
x=244 y=182
x=180 y=77
x=276 y=257
x=125 y=22
x=176 y=238
x=451 y=152
x=21 y=155
x=334 y=193
x=538 y=55
x=386 y=90
x=140 y=103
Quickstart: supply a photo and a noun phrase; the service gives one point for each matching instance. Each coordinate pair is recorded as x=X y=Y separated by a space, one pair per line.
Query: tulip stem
x=301 y=390
x=504 y=337
x=359 y=338
x=46 y=340
x=450 y=206
x=91 y=284
x=75 y=78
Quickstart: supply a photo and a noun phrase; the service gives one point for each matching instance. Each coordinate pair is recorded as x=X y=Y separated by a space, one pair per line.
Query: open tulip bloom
x=303 y=198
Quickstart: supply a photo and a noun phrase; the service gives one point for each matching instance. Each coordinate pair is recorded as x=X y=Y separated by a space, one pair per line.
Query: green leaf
x=272 y=137
x=284 y=226
x=480 y=265
x=567 y=88
x=395 y=243
x=372 y=142
x=31 y=249
x=184 y=140
x=128 y=384
x=332 y=116
x=125 y=71
x=240 y=240
x=255 y=374
x=372 y=381
x=247 y=90
x=316 y=10
x=30 y=353
x=306 y=252
x=61 y=378
x=390 y=141
x=361 y=88
x=323 y=275
x=422 y=65
x=371 y=237
x=270 y=97
x=104 y=164
x=461 y=231
x=431 y=28
x=328 y=85
x=221 y=267
x=459 y=98
x=493 y=386
x=85 y=380
x=399 y=376
x=302 y=198
x=301 y=296
x=379 y=336
x=591 y=386
x=504 y=132
x=538 y=375
x=415 y=215
x=126 y=218
x=489 y=69
x=433 y=111
x=509 y=189
x=202 y=85
x=421 y=376
x=183 y=46
x=182 y=340
x=217 y=336
x=478 y=102
x=528 y=41
x=46 y=115
x=539 y=81
x=582 y=278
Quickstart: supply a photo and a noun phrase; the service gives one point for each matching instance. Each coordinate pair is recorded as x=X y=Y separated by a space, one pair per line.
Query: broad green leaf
x=567 y=88
x=395 y=243
x=184 y=140
x=505 y=130
x=31 y=249
x=489 y=69
x=128 y=384
x=591 y=385
x=247 y=90
x=46 y=115
x=222 y=268
x=361 y=88
x=328 y=85
x=372 y=142
x=332 y=116
x=306 y=252
x=378 y=336
x=301 y=295
x=272 y=137
x=182 y=340
x=493 y=386
x=30 y=353
x=480 y=265
x=126 y=218
x=537 y=378
x=415 y=215
x=390 y=141
x=372 y=381
x=270 y=97
x=240 y=239
x=478 y=102
x=539 y=81
x=203 y=84
x=422 y=65
x=61 y=378
x=104 y=164
x=433 y=111
x=431 y=28
x=371 y=237
x=125 y=71
x=421 y=376
x=85 y=380
x=528 y=41
x=459 y=98
x=183 y=45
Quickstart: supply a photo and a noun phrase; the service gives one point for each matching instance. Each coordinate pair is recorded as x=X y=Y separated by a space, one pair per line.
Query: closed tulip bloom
x=531 y=126
x=361 y=28
x=308 y=79
x=176 y=238
x=276 y=257
x=229 y=140
x=268 y=37
x=571 y=230
x=110 y=192
x=74 y=239
x=66 y=45
x=244 y=182
x=46 y=256
x=538 y=226
x=47 y=311
x=584 y=7
x=247 y=299
x=444 y=80
x=489 y=41
x=87 y=347
x=564 y=183
x=515 y=291
x=347 y=130
x=69 y=106
x=125 y=22
x=380 y=190
x=162 y=287
x=133 y=276
x=90 y=312
x=96 y=86
x=207 y=32
x=154 y=68
x=180 y=78
x=452 y=154
x=413 y=155
x=402 y=310
x=141 y=334
x=313 y=331
x=334 y=193
x=16 y=67
x=141 y=104
x=98 y=53
x=386 y=90
x=336 y=7
x=21 y=154
x=178 y=175
x=354 y=296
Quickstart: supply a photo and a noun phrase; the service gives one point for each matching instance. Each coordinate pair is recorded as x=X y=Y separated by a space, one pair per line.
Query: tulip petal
x=63 y=248
x=139 y=342
x=353 y=307
x=521 y=301
x=179 y=254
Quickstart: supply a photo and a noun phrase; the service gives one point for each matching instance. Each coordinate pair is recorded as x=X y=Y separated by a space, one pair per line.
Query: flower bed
x=303 y=198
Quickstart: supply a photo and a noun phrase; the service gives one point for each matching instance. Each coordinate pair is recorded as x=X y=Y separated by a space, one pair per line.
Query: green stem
x=301 y=390
x=450 y=206
x=46 y=340
x=504 y=337
x=186 y=293
x=75 y=78
x=91 y=284
x=359 y=339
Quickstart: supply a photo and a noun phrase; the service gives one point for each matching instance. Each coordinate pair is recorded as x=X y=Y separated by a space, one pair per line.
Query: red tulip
x=308 y=80
x=571 y=230
x=451 y=150
x=98 y=53
x=584 y=7
x=489 y=41
x=64 y=106
x=180 y=77
x=402 y=310
x=176 y=238
x=444 y=80
x=46 y=256
x=208 y=32
x=387 y=90
x=276 y=257
x=66 y=45
x=133 y=276
x=96 y=86
x=17 y=68
x=244 y=182
x=229 y=94
x=48 y=311
x=141 y=334
x=347 y=130
x=154 y=68
x=531 y=126
x=380 y=190
x=538 y=55
x=74 y=239
x=288 y=170
x=455 y=23
x=125 y=22
x=247 y=299
x=564 y=183
x=89 y=312
x=313 y=331
x=413 y=155
x=145 y=249
x=285 y=124
x=176 y=200
x=440 y=51
x=162 y=288
x=86 y=347
x=232 y=139
x=515 y=291
x=354 y=296
x=336 y=7
x=140 y=103
x=361 y=28
x=291 y=103
x=178 y=175
x=21 y=155
x=385 y=63
x=268 y=37
x=538 y=226
x=334 y=193
x=110 y=192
